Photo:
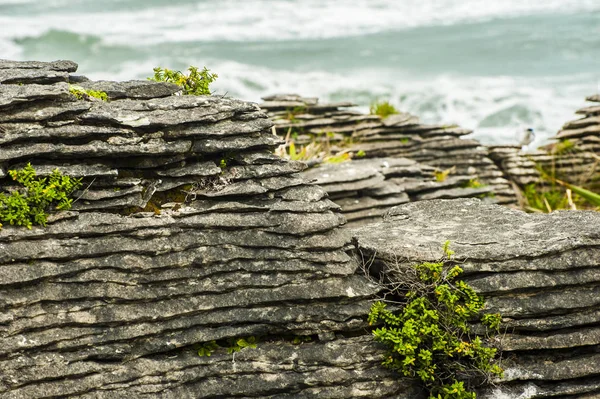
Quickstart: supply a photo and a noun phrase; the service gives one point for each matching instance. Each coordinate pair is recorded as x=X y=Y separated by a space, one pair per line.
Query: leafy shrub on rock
x=29 y=205
x=430 y=337
x=196 y=83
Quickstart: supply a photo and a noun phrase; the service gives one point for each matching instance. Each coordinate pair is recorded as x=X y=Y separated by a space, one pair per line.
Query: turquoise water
x=495 y=67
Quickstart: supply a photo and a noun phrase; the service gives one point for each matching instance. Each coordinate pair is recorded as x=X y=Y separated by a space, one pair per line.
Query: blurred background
x=497 y=67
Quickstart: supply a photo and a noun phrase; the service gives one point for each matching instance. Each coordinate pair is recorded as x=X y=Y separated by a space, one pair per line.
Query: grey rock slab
x=256 y=158
x=191 y=169
x=563 y=300
x=111 y=200
x=575 y=318
x=584 y=122
x=60 y=65
x=275 y=370
x=11 y=95
x=401 y=119
x=137 y=89
x=73 y=170
x=557 y=340
x=594 y=98
x=592 y=130
x=172 y=307
x=44 y=111
x=167 y=111
x=227 y=127
x=94 y=149
x=90 y=194
x=28 y=76
x=355 y=204
x=454 y=193
x=302 y=193
x=263 y=171
x=36 y=132
x=541 y=389
x=369 y=213
x=500 y=283
x=349 y=187
x=593 y=110
x=481 y=233
x=548 y=369
x=237 y=143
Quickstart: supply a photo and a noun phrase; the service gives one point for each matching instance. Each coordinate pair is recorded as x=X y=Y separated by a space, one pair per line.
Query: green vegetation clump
x=430 y=337
x=473 y=183
x=196 y=83
x=232 y=345
x=83 y=94
x=442 y=175
x=383 y=109
x=29 y=204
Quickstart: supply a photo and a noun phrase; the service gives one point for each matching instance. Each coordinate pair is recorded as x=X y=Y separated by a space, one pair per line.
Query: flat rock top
x=61 y=65
x=477 y=231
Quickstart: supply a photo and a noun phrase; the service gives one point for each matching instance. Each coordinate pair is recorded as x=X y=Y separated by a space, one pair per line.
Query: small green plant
x=300 y=339
x=196 y=83
x=473 y=183
x=430 y=337
x=563 y=147
x=29 y=204
x=237 y=344
x=291 y=113
x=383 y=109
x=442 y=175
x=83 y=94
x=207 y=348
x=361 y=154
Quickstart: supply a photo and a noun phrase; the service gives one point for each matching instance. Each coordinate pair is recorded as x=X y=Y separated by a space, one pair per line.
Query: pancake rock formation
x=402 y=135
x=187 y=230
x=189 y=236
x=540 y=272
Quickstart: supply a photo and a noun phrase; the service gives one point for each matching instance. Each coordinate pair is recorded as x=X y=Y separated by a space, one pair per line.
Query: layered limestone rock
x=401 y=135
x=187 y=230
x=575 y=157
x=366 y=188
x=540 y=272
x=517 y=165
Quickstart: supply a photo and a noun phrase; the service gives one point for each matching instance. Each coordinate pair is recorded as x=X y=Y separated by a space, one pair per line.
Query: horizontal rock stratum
x=189 y=230
x=541 y=272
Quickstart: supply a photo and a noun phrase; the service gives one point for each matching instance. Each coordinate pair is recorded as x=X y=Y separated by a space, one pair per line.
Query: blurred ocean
x=493 y=66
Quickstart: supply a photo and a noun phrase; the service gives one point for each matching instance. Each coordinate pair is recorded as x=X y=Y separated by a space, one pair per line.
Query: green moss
x=196 y=83
x=430 y=338
x=83 y=94
x=383 y=109
x=30 y=203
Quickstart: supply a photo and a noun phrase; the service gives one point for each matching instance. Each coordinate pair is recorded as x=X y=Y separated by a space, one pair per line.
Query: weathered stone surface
x=61 y=65
x=23 y=76
x=400 y=135
x=186 y=229
x=540 y=272
x=137 y=89
x=365 y=188
x=11 y=95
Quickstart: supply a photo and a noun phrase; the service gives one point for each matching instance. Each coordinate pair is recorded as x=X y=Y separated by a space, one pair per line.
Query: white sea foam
x=259 y=20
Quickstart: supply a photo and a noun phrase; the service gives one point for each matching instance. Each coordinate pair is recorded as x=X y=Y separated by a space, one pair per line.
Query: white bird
x=528 y=137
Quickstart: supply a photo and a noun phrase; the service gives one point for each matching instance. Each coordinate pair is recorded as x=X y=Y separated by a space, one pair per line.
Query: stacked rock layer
x=400 y=135
x=367 y=188
x=187 y=230
x=540 y=272
x=576 y=155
